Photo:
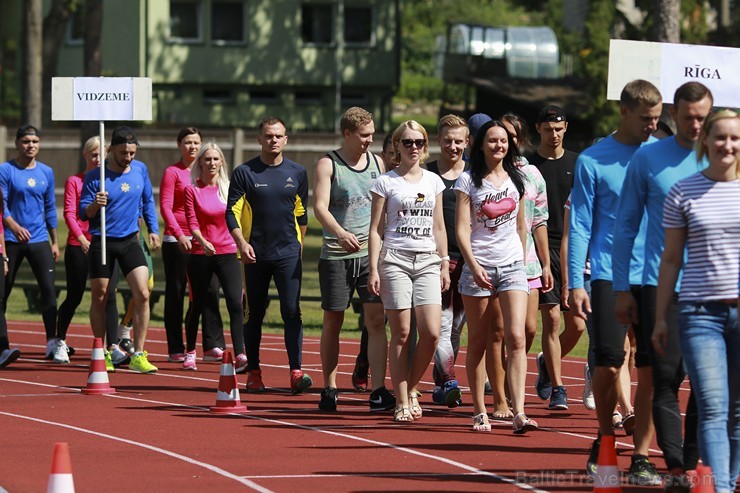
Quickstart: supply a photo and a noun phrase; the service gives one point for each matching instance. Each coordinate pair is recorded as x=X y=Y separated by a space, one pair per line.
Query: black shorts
x=338 y=280
x=552 y=297
x=643 y=330
x=608 y=333
x=126 y=251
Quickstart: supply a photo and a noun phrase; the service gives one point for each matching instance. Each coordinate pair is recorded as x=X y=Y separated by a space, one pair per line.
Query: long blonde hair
x=222 y=180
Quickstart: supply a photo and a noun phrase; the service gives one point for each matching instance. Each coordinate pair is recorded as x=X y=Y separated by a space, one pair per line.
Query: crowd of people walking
x=634 y=241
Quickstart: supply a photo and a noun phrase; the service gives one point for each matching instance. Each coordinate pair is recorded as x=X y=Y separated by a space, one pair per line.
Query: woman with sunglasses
x=407 y=272
x=702 y=212
x=492 y=236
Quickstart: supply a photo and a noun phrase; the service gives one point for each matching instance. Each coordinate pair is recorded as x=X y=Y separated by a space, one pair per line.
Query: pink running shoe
x=240 y=365
x=176 y=357
x=299 y=381
x=215 y=354
x=189 y=363
x=254 y=381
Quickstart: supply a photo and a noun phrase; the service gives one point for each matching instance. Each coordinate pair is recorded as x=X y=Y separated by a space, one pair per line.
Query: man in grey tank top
x=342 y=182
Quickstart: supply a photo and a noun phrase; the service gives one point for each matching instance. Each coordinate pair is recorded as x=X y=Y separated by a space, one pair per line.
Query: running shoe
x=558 y=399
x=438 y=395
x=60 y=353
x=254 y=381
x=593 y=457
x=642 y=472
x=629 y=423
x=126 y=345
x=189 y=362
x=240 y=365
x=677 y=483
x=109 y=367
x=381 y=400
x=329 y=397
x=299 y=381
x=140 y=363
x=543 y=384
x=7 y=356
x=176 y=357
x=51 y=344
x=588 y=391
x=487 y=389
x=117 y=356
x=215 y=354
x=452 y=394
x=359 y=375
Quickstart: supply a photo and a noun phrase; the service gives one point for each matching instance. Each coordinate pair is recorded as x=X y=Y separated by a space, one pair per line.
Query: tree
x=31 y=105
x=55 y=25
x=666 y=24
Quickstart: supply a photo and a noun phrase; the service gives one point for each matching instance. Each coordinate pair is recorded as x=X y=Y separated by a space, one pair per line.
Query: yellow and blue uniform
x=269 y=204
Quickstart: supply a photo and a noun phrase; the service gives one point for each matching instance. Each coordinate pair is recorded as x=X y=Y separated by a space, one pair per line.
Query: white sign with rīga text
x=669 y=65
x=101 y=98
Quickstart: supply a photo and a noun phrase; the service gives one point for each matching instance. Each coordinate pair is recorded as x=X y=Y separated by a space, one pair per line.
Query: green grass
x=17 y=307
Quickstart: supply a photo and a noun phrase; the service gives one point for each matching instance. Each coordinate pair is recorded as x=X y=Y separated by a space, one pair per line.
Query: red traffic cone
x=97 y=378
x=607 y=478
x=60 y=479
x=227 y=396
x=703 y=481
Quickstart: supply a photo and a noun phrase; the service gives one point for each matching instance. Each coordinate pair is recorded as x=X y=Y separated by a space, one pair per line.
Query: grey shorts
x=338 y=280
x=512 y=277
x=409 y=279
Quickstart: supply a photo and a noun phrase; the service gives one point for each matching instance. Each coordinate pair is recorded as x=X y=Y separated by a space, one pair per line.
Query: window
x=227 y=22
x=308 y=97
x=75 y=27
x=185 y=20
x=263 y=96
x=358 y=26
x=352 y=98
x=318 y=23
x=218 y=96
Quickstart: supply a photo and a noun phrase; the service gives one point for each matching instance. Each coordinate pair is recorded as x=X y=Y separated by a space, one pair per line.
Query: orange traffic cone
x=607 y=478
x=227 y=396
x=97 y=378
x=703 y=481
x=60 y=479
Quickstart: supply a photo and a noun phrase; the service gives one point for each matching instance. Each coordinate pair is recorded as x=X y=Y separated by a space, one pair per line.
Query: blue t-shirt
x=129 y=197
x=28 y=197
x=654 y=169
x=599 y=177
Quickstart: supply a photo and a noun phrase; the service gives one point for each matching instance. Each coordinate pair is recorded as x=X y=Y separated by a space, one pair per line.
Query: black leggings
x=42 y=264
x=76 y=266
x=287 y=273
x=668 y=374
x=4 y=342
x=175 y=266
x=201 y=269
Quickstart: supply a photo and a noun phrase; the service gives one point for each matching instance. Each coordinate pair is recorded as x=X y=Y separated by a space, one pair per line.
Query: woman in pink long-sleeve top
x=176 y=247
x=213 y=249
x=76 y=264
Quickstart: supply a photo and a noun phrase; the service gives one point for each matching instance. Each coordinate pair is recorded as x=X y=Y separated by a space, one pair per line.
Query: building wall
x=273 y=72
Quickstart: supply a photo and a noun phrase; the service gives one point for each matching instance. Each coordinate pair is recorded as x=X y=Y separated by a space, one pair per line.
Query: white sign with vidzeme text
x=101 y=98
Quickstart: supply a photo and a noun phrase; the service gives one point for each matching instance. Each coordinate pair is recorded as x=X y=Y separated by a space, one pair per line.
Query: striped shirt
x=710 y=211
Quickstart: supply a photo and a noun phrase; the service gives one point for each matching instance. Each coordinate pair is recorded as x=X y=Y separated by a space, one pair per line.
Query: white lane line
x=255 y=486
x=184 y=458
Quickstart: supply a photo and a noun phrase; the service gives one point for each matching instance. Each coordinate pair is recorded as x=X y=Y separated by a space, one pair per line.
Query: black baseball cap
x=123 y=135
x=24 y=130
x=551 y=113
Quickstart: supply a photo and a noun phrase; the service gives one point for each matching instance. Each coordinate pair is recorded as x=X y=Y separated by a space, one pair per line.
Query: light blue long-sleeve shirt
x=599 y=178
x=28 y=196
x=654 y=169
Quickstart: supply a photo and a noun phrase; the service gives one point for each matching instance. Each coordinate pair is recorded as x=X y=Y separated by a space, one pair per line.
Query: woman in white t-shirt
x=702 y=213
x=407 y=217
x=491 y=233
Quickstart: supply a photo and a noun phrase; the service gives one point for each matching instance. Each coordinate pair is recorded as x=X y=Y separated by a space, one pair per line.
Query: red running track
x=156 y=433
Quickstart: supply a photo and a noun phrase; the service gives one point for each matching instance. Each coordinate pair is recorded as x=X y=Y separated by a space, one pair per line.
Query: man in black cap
x=30 y=220
x=557 y=165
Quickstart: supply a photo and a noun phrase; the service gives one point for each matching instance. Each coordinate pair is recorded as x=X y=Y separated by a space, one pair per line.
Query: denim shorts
x=512 y=277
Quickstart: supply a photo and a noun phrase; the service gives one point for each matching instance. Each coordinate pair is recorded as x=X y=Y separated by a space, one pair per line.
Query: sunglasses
x=409 y=143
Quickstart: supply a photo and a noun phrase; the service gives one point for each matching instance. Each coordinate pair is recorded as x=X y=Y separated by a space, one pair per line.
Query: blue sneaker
x=438 y=395
x=543 y=384
x=559 y=399
x=452 y=394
